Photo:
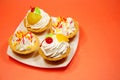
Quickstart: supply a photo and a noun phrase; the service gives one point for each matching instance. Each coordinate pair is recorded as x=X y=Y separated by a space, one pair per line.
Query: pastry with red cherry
x=54 y=47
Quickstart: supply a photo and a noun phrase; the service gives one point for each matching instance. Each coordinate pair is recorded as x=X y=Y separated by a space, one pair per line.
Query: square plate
x=36 y=60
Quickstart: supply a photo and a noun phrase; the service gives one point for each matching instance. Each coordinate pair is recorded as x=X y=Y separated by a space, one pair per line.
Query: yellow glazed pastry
x=23 y=42
x=65 y=26
x=37 y=20
x=54 y=47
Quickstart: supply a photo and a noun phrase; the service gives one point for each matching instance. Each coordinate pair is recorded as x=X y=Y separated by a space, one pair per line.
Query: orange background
x=98 y=53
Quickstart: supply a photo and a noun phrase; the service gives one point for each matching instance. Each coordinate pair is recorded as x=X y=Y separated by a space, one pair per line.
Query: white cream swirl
x=43 y=21
x=67 y=28
x=55 y=49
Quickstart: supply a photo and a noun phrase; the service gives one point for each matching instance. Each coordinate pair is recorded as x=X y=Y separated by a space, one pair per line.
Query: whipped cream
x=43 y=21
x=55 y=49
x=65 y=28
x=24 y=43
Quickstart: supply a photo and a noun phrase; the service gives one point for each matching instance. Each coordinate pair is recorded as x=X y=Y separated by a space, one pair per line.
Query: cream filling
x=22 y=45
x=55 y=49
x=68 y=27
x=43 y=21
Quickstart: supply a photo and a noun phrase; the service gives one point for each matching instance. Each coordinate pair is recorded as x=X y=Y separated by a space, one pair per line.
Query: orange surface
x=98 y=54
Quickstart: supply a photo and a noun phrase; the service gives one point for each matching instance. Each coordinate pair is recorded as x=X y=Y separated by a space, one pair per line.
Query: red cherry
x=71 y=22
x=32 y=9
x=60 y=26
x=49 y=40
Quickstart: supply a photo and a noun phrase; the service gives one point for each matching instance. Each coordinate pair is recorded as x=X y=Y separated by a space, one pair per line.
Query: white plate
x=37 y=61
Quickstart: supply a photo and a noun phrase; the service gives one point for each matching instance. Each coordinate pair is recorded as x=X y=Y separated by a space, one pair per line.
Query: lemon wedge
x=62 y=37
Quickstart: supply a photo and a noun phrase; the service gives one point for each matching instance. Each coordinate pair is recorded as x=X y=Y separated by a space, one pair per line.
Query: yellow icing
x=58 y=30
x=19 y=34
x=15 y=43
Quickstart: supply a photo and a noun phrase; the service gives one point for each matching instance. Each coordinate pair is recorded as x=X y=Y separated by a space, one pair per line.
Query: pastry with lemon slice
x=23 y=42
x=66 y=26
x=37 y=20
x=54 y=47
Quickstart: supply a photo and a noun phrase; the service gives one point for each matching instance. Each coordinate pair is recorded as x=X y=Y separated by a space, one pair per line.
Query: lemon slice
x=33 y=18
x=62 y=37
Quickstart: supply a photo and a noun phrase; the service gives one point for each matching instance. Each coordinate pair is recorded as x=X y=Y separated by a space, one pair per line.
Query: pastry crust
x=28 y=26
x=33 y=48
x=54 y=59
x=73 y=33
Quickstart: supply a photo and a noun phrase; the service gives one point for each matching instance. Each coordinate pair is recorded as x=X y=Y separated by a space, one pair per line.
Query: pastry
x=36 y=20
x=54 y=47
x=65 y=26
x=23 y=42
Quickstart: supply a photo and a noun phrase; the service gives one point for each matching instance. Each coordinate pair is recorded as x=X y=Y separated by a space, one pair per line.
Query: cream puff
x=65 y=26
x=54 y=47
x=36 y=20
x=23 y=42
